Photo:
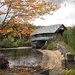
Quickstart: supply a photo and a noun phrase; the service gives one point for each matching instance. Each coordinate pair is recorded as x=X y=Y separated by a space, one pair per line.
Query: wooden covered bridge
x=44 y=33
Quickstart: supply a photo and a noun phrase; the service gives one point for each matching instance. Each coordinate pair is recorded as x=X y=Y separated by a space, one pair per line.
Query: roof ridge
x=51 y=25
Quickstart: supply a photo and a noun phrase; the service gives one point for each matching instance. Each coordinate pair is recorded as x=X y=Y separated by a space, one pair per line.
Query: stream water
x=23 y=57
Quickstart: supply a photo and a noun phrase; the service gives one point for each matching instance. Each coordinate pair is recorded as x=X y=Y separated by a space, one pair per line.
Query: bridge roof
x=47 y=29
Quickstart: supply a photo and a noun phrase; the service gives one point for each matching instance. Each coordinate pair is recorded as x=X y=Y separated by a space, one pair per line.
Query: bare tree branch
x=13 y=1
x=6 y=14
x=2 y=5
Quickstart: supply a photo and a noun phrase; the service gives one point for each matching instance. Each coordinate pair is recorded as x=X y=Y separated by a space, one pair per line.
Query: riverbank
x=20 y=71
x=13 y=71
x=15 y=48
x=51 y=58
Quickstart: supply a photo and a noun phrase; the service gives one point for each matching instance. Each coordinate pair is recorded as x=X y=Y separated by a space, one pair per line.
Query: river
x=22 y=57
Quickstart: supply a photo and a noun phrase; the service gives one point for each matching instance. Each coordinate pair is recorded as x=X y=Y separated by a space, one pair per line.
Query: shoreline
x=15 y=48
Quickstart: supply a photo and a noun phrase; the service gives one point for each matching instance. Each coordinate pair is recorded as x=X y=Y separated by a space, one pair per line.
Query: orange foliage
x=16 y=30
x=23 y=11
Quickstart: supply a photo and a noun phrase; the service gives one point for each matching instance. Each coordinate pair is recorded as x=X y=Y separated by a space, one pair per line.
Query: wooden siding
x=43 y=36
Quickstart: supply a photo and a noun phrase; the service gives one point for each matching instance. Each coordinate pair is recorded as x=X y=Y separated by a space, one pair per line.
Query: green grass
x=69 y=49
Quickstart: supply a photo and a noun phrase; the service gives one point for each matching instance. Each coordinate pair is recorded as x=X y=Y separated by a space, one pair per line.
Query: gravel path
x=51 y=59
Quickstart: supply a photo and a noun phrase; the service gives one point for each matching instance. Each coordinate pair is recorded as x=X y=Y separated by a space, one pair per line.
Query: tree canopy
x=24 y=11
x=69 y=37
x=19 y=13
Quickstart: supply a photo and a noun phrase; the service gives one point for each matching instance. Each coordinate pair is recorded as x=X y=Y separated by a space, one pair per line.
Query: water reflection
x=25 y=57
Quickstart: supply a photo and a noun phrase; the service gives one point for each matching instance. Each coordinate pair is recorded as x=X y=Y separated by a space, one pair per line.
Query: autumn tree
x=23 y=12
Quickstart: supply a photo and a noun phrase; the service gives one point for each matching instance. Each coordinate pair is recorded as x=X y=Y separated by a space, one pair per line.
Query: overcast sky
x=65 y=15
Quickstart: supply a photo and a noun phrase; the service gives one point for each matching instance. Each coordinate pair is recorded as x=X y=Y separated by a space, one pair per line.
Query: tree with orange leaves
x=22 y=12
x=17 y=31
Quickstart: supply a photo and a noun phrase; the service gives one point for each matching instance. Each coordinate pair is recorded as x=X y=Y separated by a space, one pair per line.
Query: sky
x=65 y=15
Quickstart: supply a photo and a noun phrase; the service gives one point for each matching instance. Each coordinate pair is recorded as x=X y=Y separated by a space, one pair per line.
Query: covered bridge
x=43 y=34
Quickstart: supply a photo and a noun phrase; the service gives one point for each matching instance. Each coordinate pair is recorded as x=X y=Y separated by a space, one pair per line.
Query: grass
x=69 y=49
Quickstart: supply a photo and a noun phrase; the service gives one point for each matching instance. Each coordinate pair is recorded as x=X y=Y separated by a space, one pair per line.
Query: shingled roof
x=47 y=29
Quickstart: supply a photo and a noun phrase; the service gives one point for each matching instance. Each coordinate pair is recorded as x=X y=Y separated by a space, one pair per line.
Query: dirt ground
x=51 y=59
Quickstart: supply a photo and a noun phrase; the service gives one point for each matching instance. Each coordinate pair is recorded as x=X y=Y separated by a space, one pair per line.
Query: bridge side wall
x=38 y=42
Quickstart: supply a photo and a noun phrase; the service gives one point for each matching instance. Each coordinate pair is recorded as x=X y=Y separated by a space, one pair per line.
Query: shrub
x=4 y=63
x=7 y=43
x=65 y=72
x=50 y=46
x=0 y=44
x=49 y=41
x=65 y=36
x=68 y=72
x=43 y=47
x=27 y=43
x=15 y=44
x=22 y=42
x=19 y=42
x=73 y=72
x=70 y=55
